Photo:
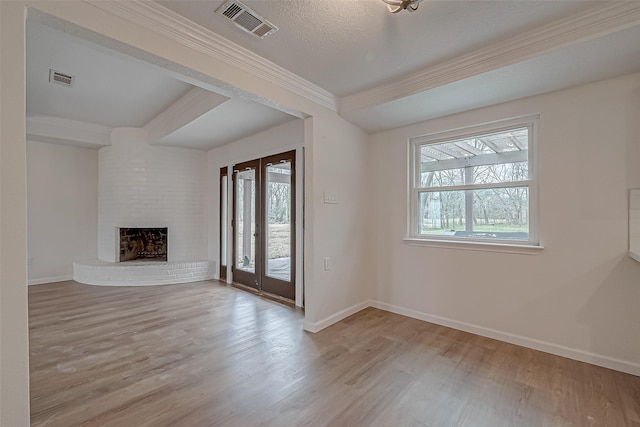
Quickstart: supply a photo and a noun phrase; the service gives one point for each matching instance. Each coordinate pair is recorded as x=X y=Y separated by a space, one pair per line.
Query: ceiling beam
x=182 y=112
x=68 y=132
x=161 y=20
x=598 y=21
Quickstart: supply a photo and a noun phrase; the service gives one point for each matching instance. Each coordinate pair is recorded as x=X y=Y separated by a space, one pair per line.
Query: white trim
x=598 y=21
x=53 y=279
x=621 y=365
x=534 y=188
x=334 y=318
x=634 y=224
x=65 y=131
x=544 y=346
x=498 y=185
x=510 y=248
x=166 y=22
x=230 y=230
x=299 y=279
x=482 y=129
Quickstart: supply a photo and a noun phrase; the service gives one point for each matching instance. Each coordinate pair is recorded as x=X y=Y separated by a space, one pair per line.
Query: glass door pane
x=223 y=221
x=278 y=221
x=245 y=221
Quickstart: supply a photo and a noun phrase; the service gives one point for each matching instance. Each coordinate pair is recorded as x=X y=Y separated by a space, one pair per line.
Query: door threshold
x=267 y=295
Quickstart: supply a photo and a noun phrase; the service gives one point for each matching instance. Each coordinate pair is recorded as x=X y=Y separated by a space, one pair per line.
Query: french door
x=264 y=224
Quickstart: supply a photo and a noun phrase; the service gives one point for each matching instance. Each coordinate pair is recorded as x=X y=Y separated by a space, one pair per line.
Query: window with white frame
x=475 y=184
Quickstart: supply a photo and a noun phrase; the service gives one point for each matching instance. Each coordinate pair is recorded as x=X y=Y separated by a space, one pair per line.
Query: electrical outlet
x=327 y=263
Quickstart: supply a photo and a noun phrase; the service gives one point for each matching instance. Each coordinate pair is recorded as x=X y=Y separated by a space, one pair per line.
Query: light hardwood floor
x=205 y=354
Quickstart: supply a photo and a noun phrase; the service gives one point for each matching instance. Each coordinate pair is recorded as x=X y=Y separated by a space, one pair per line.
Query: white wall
x=580 y=295
x=285 y=137
x=336 y=160
x=141 y=185
x=14 y=338
x=62 y=196
x=339 y=162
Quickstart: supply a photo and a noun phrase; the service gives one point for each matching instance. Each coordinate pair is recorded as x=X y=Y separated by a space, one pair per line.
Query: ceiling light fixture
x=396 y=6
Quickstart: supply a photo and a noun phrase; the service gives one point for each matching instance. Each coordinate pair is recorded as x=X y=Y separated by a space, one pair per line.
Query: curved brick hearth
x=141 y=273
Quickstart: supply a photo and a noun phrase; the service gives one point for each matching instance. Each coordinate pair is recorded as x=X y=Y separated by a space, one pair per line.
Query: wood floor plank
x=205 y=354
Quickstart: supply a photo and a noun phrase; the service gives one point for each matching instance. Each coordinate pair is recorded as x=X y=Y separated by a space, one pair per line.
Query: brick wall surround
x=141 y=273
x=141 y=185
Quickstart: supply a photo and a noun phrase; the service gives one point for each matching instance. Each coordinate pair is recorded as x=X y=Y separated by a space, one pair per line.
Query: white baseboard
x=334 y=318
x=54 y=279
x=547 y=347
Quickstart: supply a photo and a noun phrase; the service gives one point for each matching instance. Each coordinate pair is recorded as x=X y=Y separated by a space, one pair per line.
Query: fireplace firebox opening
x=143 y=244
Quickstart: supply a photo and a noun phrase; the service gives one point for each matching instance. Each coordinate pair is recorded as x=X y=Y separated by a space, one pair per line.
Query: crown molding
x=598 y=21
x=192 y=105
x=69 y=132
x=166 y=22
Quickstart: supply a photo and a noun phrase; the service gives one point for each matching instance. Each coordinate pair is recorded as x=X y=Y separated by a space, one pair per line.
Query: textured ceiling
x=231 y=121
x=115 y=90
x=345 y=46
x=110 y=89
x=617 y=54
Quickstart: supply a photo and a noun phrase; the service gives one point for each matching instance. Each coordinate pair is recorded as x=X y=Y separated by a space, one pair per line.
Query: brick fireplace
x=141 y=186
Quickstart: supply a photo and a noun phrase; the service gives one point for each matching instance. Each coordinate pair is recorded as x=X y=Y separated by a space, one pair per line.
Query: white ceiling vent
x=60 y=78
x=247 y=19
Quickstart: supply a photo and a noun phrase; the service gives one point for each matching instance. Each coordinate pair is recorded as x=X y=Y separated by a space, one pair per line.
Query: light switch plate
x=330 y=198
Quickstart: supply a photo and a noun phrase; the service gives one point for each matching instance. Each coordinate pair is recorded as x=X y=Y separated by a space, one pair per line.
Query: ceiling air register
x=60 y=78
x=247 y=19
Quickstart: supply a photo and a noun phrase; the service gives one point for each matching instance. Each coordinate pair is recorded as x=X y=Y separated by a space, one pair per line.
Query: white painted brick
x=150 y=186
x=138 y=274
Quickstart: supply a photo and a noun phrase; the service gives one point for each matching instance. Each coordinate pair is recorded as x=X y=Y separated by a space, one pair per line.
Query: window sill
x=635 y=255
x=476 y=246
